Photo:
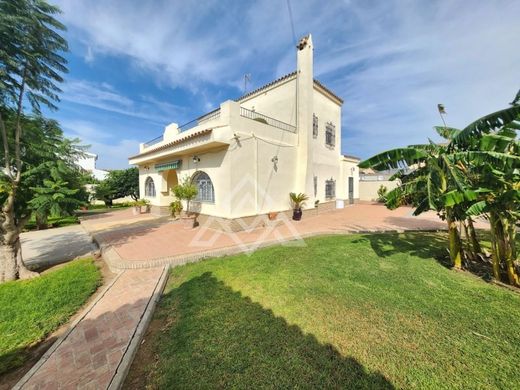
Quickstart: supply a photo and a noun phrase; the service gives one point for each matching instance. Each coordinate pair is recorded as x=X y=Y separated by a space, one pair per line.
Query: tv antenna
x=247 y=78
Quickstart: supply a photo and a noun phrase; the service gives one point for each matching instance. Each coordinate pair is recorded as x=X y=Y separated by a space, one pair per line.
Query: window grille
x=314 y=126
x=205 y=193
x=330 y=135
x=149 y=187
x=330 y=189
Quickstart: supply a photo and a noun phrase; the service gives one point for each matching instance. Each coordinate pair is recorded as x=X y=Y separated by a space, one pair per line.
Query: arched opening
x=206 y=192
x=149 y=187
x=171 y=180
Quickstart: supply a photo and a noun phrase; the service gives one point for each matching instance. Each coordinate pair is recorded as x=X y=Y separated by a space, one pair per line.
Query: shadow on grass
x=206 y=334
x=425 y=245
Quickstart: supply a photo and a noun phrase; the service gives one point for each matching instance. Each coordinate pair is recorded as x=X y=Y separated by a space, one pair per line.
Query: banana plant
x=475 y=172
x=428 y=176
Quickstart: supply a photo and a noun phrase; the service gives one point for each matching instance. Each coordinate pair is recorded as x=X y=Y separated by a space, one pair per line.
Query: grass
x=32 y=309
x=53 y=222
x=356 y=311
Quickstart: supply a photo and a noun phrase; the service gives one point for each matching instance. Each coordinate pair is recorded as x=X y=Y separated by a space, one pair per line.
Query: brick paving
x=166 y=240
x=89 y=356
x=114 y=219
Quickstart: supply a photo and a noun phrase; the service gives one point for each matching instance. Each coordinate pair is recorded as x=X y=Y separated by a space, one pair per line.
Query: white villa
x=88 y=164
x=249 y=154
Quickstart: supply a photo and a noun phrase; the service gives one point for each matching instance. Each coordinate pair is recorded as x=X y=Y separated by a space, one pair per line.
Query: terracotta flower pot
x=272 y=215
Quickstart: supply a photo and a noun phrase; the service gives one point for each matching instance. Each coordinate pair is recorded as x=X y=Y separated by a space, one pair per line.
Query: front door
x=350 y=190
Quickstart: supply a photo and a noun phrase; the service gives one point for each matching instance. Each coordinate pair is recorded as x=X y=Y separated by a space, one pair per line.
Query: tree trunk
x=510 y=252
x=10 y=249
x=467 y=242
x=41 y=222
x=455 y=241
x=13 y=266
x=473 y=237
x=495 y=255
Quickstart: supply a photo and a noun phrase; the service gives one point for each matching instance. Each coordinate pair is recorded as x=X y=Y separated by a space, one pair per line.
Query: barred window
x=330 y=189
x=149 y=187
x=314 y=126
x=205 y=189
x=330 y=135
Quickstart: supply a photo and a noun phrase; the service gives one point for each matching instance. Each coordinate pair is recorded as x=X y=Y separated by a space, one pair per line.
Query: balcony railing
x=200 y=120
x=153 y=141
x=266 y=119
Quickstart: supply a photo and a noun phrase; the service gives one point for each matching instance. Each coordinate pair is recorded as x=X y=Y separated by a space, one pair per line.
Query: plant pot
x=188 y=221
x=272 y=215
x=297 y=214
x=136 y=210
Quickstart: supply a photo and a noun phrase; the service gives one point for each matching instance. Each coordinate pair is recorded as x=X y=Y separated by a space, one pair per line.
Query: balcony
x=256 y=116
x=213 y=115
x=213 y=130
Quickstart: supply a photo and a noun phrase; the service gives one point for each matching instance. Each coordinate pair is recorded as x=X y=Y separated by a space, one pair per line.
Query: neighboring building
x=248 y=155
x=88 y=163
x=370 y=181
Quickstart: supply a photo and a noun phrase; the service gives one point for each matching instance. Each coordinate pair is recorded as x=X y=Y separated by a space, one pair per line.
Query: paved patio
x=170 y=242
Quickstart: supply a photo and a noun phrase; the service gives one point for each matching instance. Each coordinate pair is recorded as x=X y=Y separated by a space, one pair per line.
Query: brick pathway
x=89 y=356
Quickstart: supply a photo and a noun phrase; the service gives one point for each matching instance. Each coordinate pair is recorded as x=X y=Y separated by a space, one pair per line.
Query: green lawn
x=356 y=311
x=32 y=309
x=53 y=222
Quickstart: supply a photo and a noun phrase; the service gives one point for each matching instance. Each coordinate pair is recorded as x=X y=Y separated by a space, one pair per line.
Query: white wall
x=368 y=189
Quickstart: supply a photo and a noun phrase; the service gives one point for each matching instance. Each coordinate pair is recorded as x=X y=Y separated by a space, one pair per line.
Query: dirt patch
x=35 y=352
x=144 y=359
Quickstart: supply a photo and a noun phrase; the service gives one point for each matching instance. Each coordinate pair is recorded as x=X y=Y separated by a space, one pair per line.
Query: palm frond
x=486 y=124
x=395 y=159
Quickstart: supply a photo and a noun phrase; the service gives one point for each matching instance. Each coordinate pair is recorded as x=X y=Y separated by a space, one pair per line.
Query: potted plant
x=176 y=208
x=139 y=204
x=297 y=200
x=136 y=208
x=186 y=191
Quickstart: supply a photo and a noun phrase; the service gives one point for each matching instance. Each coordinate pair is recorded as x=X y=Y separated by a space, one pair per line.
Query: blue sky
x=135 y=66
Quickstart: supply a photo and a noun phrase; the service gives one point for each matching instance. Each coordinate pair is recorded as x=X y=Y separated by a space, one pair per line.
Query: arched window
x=149 y=187
x=204 y=185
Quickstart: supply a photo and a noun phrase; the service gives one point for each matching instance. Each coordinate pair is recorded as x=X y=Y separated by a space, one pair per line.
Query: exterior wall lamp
x=196 y=159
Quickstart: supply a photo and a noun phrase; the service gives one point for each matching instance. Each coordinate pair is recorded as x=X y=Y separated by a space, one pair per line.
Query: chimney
x=304 y=92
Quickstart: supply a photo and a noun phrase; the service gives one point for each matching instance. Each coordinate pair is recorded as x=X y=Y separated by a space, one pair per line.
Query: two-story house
x=248 y=155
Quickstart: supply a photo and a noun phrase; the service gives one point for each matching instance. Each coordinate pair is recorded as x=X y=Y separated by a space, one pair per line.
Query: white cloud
x=104 y=96
x=392 y=61
x=112 y=152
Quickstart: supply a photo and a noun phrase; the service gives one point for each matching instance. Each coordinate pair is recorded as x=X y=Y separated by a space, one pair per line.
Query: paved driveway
x=152 y=244
x=48 y=247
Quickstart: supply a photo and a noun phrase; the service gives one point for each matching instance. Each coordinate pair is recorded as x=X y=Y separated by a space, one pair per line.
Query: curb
x=119 y=377
x=28 y=375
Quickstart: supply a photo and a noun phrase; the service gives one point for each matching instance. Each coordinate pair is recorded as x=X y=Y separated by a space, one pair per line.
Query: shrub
x=176 y=207
x=381 y=194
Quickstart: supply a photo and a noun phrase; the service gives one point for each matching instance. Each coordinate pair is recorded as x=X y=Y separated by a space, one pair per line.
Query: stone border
x=115 y=262
x=28 y=375
x=128 y=356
